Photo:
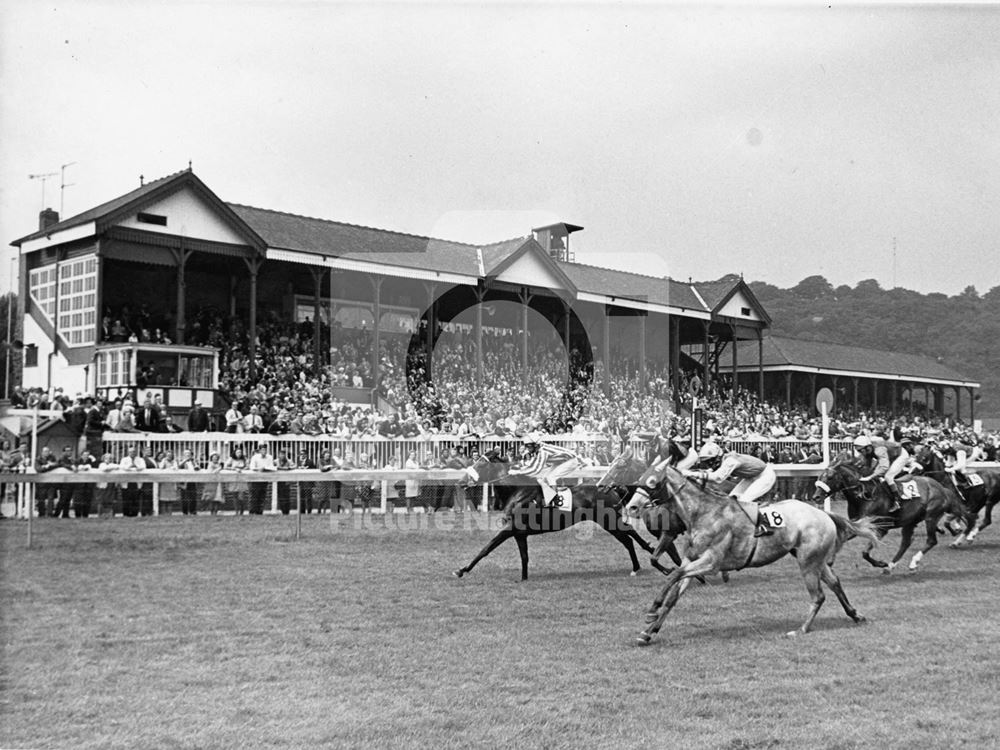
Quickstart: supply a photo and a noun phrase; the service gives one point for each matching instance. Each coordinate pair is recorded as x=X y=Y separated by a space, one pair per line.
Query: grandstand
x=171 y=265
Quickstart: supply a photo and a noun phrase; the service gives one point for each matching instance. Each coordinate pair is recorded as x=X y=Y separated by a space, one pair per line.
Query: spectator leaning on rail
x=756 y=479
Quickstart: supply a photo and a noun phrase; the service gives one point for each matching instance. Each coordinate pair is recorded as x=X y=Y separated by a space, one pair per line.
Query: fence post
x=486 y=498
x=384 y=484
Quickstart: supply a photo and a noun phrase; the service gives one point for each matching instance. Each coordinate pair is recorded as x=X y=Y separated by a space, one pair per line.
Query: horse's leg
x=810 y=566
x=931 y=524
x=832 y=581
x=987 y=519
x=874 y=561
x=522 y=547
x=906 y=538
x=502 y=536
x=666 y=544
x=676 y=583
x=626 y=541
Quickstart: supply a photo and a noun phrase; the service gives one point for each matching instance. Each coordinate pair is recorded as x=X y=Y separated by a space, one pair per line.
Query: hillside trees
x=961 y=331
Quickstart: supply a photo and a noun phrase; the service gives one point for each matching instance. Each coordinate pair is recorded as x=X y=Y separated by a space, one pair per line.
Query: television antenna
x=43 y=178
x=63 y=185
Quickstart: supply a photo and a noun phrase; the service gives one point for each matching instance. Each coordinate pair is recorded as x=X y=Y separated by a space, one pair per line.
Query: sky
x=778 y=141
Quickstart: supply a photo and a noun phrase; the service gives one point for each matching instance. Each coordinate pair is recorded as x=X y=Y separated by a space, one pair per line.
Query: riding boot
x=763 y=527
x=896 y=503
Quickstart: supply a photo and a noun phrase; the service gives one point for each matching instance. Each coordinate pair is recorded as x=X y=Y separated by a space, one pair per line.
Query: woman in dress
x=169 y=491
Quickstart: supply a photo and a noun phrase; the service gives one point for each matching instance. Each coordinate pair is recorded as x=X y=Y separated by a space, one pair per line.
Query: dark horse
x=525 y=514
x=722 y=538
x=982 y=491
x=923 y=500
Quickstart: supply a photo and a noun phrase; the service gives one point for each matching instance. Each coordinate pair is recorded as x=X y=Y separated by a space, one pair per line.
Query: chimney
x=47 y=218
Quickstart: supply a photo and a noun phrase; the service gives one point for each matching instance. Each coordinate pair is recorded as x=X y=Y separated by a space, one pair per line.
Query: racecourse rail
x=427 y=448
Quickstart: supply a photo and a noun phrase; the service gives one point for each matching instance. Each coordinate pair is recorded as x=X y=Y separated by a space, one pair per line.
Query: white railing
x=427 y=448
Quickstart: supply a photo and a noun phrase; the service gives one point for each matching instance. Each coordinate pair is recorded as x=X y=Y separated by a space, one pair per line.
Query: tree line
x=960 y=331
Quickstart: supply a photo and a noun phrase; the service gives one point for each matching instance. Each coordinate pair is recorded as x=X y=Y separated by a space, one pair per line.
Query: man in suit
x=197 y=420
x=66 y=490
x=93 y=426
x=45 y=494
x=147 y=416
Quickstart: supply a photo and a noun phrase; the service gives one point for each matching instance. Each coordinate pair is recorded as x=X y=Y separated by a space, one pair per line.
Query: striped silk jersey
x=738 y=465
x=546 y=457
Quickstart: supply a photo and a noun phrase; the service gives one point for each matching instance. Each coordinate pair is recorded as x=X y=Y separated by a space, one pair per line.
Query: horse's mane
x=711 y=490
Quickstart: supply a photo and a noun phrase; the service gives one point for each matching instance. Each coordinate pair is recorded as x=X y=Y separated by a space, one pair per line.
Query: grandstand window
x=102 y=370
x=41 y=287
x=77 y=282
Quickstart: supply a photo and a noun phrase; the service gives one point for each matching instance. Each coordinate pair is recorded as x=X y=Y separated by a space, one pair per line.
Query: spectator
x=197 y=419
x=237 y=491
x=261 y=460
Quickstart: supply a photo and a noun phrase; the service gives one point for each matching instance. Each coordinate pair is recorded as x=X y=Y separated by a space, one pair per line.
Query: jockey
x=677 y=448
x=546 y=463
x=709 y=457
x=959 y=455
x=756 y=479
x=889 y=458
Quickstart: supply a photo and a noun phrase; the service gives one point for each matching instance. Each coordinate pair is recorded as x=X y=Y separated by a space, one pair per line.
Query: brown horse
x=981 y=493
x=662 y=522
x=527 y=515
x=923 y=500
x=722 y=538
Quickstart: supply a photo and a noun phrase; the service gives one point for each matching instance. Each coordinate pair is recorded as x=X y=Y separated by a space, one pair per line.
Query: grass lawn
x=218 y=632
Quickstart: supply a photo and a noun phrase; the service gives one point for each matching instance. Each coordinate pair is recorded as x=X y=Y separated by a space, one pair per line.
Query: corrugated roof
x=781 y=351
x=352 y=242
x=626 y=284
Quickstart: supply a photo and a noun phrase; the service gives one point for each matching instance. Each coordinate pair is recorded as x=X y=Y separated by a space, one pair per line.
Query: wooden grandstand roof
x=782 y=353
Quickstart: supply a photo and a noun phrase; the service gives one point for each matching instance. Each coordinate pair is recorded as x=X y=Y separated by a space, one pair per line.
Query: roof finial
x=142 y=180
x=189 y=165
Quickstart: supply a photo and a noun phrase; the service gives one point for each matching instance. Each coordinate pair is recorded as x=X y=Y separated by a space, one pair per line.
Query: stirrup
x=762 y=530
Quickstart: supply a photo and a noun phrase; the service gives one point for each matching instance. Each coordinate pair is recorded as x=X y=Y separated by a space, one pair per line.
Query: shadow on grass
x=757 y=627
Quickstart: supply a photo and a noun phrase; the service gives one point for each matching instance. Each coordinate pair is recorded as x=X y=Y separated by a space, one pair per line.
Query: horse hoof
x=643 y=639
x=860 y=619
x=634 y=573
x=458 y=573
x=651 y=617
x=793 y=633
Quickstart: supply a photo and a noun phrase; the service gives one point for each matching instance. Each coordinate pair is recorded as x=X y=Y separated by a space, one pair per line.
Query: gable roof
x=500 y=260
x=285 y=231
x=825 y=357
x=110 y=212
x=717 y=293
x=635 y=286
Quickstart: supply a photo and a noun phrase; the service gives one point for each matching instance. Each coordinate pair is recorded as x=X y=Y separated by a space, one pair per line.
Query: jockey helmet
x=943 y=444
x=862 y=441
x=709 y=450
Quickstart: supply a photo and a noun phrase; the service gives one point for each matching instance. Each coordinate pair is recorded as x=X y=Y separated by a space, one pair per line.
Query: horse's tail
x=847 y=530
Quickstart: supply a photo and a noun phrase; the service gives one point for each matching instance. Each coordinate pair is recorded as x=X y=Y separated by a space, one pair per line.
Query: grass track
x=225 y=632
